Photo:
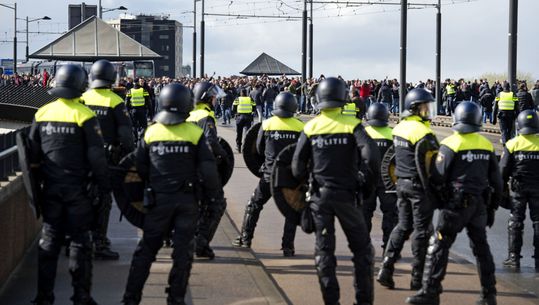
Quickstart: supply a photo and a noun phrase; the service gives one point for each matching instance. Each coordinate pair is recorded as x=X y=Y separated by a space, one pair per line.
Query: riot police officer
x=415 y=209
x=275 y=134
x=520 y=162
x=331 y=150
x=138 y=102
x=467 y=169
x=243 y=107
x=169 y=158
x=117 y=134
x=380 y=132
x=205 y=95
x=506 y=107
x=67 y=145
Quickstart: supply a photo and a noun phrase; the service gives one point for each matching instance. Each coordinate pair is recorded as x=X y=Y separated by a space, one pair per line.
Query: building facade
x=160 y=34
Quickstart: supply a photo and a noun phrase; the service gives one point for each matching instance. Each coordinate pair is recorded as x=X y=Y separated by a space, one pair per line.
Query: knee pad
x=49 y=242
x=516 y=225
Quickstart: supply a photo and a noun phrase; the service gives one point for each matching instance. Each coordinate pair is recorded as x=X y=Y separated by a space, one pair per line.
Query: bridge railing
x=9 y=160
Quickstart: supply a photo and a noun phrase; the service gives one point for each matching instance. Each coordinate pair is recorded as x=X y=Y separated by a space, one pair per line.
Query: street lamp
x=27 y=22
x=104 y=10
x=14 y=8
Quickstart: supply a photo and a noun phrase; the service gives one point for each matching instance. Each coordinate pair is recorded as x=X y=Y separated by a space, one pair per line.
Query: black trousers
x=139 y=118
x=328 y=204
x=521 y=199
x=243 y=122
x=66 y=211
x=388 y=206
x=177 y=212
x=473 y=217
x=415 y=215
x=507 y=125
x=208 y=222
x=260 y=196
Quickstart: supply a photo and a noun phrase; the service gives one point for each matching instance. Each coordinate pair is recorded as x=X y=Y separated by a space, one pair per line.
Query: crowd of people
x=178 y=157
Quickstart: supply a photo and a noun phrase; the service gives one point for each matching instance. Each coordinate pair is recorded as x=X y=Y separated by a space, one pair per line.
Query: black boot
x=103 y=251
x=415 y=282
x=487 y=296
x=424 y=297
x=512 y=261
x=288 y=252
x=43 y=299
x=487 y=300
x=131 y=299
x=84 y=301
x=250 y=219
x=514 y=240
x=204 y=251
x=238 y=242
x=385 y=276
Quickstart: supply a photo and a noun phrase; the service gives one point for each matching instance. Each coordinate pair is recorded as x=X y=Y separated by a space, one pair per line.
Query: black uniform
x=388 y=201
x=117 y=134
x=66 y=141
x=415 y=210
x=467 y=168
x=169 y=160
x=275 y=134
x=209 y=220
x=331 y=150
x=520 y=161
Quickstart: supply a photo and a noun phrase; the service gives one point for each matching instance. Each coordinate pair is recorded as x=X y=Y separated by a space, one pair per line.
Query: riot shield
x=252 y=158
x=128 y=190
x=287 y=191
x=425 y=157
x=388 y=170
x=226 y=167
x=30 y=181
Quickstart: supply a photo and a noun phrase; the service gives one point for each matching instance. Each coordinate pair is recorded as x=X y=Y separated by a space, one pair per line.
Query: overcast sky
x=360 y=42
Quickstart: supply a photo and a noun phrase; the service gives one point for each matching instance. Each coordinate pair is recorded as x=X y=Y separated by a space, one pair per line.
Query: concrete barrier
x=18 y=225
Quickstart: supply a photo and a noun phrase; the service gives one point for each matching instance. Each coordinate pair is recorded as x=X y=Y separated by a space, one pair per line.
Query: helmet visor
x=427 y=111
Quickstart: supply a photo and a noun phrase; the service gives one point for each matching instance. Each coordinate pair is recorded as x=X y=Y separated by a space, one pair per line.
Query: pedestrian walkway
x=242 y=276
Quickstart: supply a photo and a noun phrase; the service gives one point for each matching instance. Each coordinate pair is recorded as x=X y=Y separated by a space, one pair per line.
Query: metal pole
x=194 y=39
x=27 y=38
x=15 y=40
x=311 y=43
x=513 y=25
x=304 y=44
x=404 y=17
x=202 y=42
x=100 y=10
x=439 y=55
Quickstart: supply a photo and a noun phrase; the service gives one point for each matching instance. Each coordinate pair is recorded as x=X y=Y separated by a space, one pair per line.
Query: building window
x=164 y=68
x=165 y=57
x=165 y=48
x=163 y=36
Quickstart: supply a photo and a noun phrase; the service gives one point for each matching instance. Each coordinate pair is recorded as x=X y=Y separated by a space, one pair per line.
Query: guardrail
x=9 y=160
x=20 y=103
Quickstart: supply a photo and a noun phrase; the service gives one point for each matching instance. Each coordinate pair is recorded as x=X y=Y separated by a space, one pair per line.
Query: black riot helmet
x=285 y=105
x=413 y=101
x=377 y=115
x=102 y=74
x=528 y=122
x=175 y=103
x=331 y=93
x=204 y=92
x=70 y=81
x=467 y=117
